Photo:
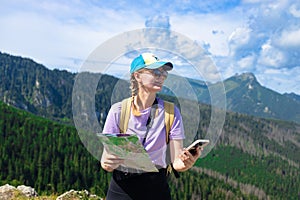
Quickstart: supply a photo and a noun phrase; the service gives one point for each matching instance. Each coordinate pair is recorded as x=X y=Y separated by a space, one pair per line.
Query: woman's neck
x=143 y=101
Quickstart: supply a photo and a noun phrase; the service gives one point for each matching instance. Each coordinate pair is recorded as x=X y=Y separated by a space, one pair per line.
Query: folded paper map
x=129 y=148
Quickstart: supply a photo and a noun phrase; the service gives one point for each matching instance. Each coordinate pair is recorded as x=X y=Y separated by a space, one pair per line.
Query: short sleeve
x=112 y=120
x=177 y=129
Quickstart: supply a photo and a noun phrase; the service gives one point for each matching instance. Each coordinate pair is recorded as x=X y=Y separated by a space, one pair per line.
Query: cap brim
x=166 y=65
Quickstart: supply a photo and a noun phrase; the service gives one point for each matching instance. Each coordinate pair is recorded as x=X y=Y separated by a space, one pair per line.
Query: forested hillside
x=45 y=155
x=255 y=158
x=51 y=158
x=32 y=87
x=246 y=164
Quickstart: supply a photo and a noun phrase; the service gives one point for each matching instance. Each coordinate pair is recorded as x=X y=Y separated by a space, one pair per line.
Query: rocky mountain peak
x=248 y=76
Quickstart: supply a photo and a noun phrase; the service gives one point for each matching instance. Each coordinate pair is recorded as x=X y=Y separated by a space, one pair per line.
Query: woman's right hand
x=109 y=162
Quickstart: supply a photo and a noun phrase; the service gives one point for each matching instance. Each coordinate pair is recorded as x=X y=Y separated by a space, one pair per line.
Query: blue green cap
x=149 y=61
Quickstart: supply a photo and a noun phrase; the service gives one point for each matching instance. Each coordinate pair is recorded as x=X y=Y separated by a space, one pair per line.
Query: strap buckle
x=171 y=169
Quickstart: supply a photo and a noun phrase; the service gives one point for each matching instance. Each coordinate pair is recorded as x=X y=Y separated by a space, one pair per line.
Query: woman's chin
x=157 y=88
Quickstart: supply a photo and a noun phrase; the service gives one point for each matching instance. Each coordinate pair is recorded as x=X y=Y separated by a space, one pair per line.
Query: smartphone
x=201 y=142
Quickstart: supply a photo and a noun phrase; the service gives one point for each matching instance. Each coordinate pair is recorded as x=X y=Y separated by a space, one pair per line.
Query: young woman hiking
x=148 y=74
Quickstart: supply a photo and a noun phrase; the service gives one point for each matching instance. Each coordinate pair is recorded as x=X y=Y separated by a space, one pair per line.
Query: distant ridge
x=292 y=96
x=32 y=87
x=246 y=95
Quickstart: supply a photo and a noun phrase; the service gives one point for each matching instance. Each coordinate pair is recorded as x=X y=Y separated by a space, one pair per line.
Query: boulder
x=8 y=192
x=6 y=188
x=27 y=191
x=74 y=195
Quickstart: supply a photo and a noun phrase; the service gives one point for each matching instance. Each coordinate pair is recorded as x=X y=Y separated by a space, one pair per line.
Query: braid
x=134 y=86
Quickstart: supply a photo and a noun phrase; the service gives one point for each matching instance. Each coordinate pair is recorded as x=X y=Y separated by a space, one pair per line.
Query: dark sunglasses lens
x=159 y=73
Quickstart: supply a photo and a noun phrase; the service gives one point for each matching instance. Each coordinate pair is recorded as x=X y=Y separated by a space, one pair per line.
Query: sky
x=261 y=37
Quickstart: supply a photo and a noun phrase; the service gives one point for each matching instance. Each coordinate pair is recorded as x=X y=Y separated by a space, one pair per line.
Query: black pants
x=144 y=186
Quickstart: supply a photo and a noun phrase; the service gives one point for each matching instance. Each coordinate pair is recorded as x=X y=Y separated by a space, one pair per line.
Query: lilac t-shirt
x=155 y=143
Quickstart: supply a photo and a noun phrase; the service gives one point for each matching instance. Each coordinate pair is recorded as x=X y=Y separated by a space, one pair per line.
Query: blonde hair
x=134 y=86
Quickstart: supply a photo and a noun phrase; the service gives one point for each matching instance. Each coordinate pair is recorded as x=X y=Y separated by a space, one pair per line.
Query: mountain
x=254 y=158
x=244 y=94
x=293 y=96
x=32 y=87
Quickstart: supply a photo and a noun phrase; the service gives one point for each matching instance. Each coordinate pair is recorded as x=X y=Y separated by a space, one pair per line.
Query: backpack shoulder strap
x=125 y=114
x=169 y=118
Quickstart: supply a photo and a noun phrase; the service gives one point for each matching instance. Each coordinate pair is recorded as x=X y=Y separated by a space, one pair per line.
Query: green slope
x=51 y=158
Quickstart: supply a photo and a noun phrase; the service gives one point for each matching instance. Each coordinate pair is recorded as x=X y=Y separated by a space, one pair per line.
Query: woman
x=147 y=77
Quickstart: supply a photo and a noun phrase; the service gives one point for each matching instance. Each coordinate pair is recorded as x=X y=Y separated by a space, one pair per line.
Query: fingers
x=110 y=166
x=199 y=152
x=110 y=162
x=189 y=159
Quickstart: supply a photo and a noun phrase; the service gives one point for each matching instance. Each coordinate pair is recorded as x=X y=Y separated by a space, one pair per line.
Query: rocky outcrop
x=72 y=194
x=8 y=192
x=27 y=191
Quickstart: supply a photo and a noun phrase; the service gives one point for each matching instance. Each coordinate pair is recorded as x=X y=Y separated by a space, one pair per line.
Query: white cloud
x=270 y=42
x=295 y=9
x=290 y=38
x=238 y=39
x=240 y=35
x=190 y=50
x=211 y=30
x=158 y=21
x=270 y=56
x=282 y=79
x=60 y=35
x=247 y=63
x=45 y=39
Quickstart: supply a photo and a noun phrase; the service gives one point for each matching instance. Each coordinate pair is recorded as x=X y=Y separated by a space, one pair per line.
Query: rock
x=8 y=192
x=27 y=191
x=77 y=195
x=6 y=188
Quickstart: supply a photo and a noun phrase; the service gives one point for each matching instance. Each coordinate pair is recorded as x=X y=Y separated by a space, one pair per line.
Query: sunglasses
x=158 y=73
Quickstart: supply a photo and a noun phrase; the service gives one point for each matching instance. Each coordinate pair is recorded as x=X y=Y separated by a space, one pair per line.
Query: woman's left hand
x=186 y=160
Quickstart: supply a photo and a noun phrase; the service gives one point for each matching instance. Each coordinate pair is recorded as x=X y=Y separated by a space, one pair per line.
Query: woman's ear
x=137 y=76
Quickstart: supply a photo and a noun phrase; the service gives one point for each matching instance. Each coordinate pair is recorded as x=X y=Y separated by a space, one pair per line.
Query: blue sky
x=262 y=37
